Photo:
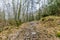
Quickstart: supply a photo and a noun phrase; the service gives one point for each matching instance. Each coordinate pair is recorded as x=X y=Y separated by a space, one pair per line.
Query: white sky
x=1 y=5
x=9 y=1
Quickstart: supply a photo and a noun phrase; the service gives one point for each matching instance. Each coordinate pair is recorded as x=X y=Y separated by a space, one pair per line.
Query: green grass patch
x=58 y=33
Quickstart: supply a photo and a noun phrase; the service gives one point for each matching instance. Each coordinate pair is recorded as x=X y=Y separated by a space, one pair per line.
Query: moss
x=58 y=33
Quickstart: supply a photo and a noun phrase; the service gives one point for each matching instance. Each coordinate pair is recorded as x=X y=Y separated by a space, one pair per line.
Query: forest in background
x=21 y=11
x=29 y=19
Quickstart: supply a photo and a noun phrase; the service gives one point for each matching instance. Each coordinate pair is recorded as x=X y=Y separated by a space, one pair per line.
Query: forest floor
x=47 y=28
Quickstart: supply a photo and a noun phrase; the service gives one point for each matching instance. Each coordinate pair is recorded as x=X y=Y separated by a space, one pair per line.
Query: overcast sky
x=9 y=1
x=10 y=5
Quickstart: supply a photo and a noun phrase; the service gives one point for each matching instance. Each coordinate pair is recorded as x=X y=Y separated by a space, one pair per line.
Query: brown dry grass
x=47 y=27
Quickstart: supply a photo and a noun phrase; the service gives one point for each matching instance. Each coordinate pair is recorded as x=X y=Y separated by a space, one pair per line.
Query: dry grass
x=47 y=27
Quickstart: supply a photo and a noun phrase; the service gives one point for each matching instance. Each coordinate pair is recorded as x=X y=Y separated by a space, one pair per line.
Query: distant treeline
x=21 y=12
